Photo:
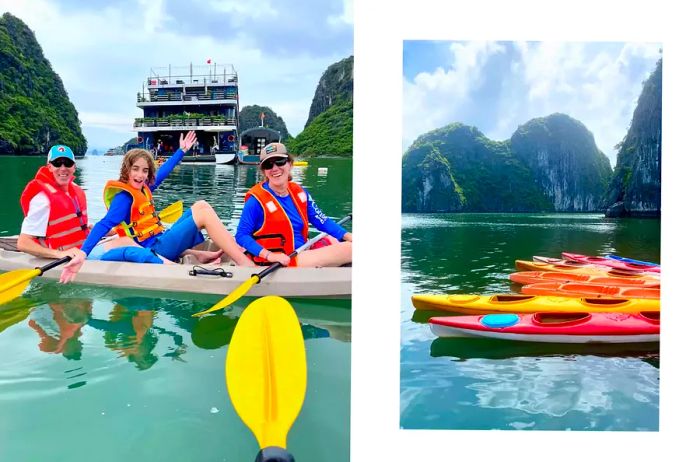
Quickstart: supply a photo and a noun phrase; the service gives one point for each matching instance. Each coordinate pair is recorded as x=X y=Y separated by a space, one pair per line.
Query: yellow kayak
x=525 y=265
x=515 y=303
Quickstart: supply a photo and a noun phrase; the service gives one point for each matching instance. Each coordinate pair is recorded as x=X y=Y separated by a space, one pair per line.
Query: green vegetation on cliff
x=36 y=111
x=249 y=117
x=635 y=189
x=549 y=164
x=329 y=133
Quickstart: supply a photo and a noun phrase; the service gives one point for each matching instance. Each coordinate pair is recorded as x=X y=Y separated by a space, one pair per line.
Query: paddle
x=241 y=290
x=13 y=283
x=266 y=374
x=171 y=213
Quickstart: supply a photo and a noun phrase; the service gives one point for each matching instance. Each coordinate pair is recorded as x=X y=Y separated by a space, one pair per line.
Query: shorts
x=181 y=236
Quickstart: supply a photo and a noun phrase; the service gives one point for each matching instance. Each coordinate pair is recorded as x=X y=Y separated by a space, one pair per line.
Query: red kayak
x=578 y=289
x=553 y=327
x=536 y=277
x=617 y=264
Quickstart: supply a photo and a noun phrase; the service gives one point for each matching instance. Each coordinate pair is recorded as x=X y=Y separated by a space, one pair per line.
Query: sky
x=497 y=86
x=103 y=51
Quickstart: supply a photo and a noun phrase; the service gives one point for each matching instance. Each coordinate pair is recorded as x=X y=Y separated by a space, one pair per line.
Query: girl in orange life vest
x=55 y=210
x=276 y=216
x=130 y=207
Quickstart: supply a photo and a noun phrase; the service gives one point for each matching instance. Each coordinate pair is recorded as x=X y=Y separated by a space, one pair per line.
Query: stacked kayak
x=518 y=303
x=536 y=277
x=572 y=289
x=591 y=269
x=571 y=327
x=613 y=263
x=631 y=260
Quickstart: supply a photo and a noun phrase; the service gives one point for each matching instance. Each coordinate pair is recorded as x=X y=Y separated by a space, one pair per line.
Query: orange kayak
x=537 y=277
x=577 y=289
x=524 y=265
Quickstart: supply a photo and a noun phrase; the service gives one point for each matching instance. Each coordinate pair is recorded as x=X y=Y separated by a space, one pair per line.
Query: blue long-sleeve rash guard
x=120 y=208
x=252 y=218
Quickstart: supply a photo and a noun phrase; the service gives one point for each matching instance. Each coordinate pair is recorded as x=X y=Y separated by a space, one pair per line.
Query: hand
x=347 y=237
x=70 y=271
x=187 y=141
x=278 y=257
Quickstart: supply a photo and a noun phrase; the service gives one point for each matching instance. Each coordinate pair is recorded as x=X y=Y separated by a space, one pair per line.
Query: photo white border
x=380 y=28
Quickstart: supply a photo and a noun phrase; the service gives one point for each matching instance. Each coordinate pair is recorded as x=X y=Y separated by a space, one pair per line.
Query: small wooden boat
x=617 y=264
x=554 y=327
x=518 y=303
x=536 y=277
x=577 y=289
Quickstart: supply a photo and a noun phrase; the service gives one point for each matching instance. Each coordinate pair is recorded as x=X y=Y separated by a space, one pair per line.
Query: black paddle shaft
x=53 y=264
x=274 y=454
x=275 y=266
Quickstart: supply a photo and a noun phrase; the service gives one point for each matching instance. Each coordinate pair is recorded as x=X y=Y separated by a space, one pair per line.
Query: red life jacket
x=145 y=222
x=68 y=219
x=276 y=233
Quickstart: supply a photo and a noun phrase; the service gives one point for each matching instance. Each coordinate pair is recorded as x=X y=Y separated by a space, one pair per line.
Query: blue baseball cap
x=58 y=151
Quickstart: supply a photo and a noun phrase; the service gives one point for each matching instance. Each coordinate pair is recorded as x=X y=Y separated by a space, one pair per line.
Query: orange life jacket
x=145 y=221
x=276 y=233
x=68 y=219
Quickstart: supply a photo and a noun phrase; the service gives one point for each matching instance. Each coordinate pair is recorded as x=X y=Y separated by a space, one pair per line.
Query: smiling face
x=278 y=176
x=63 y=175
x=139 y=173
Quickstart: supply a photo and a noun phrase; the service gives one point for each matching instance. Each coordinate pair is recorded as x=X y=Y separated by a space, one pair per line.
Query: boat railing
x=179 y=96
x=183 y=122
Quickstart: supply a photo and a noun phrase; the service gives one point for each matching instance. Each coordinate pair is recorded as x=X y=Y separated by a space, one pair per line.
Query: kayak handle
x=197 y=270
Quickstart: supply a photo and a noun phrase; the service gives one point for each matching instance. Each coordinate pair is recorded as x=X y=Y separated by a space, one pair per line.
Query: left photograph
x=176 y=239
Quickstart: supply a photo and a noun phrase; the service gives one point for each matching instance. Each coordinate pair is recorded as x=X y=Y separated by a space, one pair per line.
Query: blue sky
x=103 y=51
x=497 y=86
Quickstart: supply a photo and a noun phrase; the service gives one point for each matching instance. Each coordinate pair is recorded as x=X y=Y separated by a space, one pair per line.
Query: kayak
x=617 y=264
x=536 y=277
x=631 y=260
x=554 y=327
x=524 y=265
x=518 y=303
x=577 y=289
x=558 y=261
x=285 y=282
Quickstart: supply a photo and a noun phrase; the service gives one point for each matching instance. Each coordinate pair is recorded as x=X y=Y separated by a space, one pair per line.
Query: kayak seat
x=499 y=320
x=560 y=319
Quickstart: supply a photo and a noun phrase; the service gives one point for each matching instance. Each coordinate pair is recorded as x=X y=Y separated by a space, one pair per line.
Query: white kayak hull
x=449 y=331
x=286 y=282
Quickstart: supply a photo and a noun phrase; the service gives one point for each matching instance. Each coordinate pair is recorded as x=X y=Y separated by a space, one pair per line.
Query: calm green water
x=476 y=384
x=91 y=373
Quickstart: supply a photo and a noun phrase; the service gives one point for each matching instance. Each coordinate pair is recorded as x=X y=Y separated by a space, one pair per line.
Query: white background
x=380 y=28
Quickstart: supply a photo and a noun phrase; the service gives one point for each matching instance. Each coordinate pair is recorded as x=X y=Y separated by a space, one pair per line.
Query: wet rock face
x=636 y=182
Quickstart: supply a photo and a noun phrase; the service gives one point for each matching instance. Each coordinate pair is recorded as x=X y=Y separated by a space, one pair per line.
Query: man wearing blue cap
x=55 y=210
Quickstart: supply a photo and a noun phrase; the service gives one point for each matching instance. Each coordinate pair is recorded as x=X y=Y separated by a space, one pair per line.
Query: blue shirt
x=120 y=208
x=253 y=215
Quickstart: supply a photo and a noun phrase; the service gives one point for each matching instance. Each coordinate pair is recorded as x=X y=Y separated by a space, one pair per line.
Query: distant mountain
x=549 y=164
x=635 y=189
x=328 y=129
x=249 y=117
x=36 y=111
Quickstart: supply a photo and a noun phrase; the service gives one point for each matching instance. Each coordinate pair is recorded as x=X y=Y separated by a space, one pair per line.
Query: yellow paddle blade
x=12 y=284
x=266 y=369
x=171 y=213
x=300 y=163
x=231 y=298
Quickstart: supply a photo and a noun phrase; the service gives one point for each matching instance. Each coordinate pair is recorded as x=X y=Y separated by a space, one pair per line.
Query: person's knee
x=201 y=205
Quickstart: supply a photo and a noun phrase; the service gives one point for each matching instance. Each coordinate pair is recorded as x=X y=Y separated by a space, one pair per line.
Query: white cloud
x=346 y=17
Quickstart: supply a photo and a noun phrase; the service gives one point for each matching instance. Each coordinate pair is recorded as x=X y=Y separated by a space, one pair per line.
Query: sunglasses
x=62 y=161
x=280 y=161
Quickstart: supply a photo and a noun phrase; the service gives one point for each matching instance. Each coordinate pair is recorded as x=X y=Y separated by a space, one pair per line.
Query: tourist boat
x=286 y=282
x=252 y=141
x=554 y=327
x=176 y=100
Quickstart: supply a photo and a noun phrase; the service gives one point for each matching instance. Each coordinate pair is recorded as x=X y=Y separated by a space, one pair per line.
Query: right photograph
x=531 y=235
